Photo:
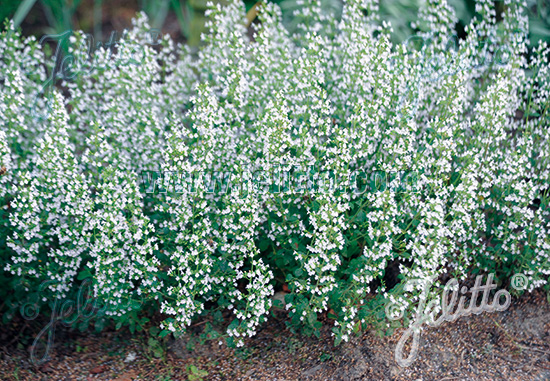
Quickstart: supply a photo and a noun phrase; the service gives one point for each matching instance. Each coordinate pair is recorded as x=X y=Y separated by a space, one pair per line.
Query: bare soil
x=509 y=345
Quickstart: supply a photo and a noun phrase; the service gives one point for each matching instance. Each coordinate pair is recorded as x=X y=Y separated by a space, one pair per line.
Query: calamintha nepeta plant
x=324 y=109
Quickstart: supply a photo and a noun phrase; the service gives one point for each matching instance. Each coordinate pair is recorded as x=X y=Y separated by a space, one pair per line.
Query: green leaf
x=264 y=245
x=84 y=274
x=311 y=317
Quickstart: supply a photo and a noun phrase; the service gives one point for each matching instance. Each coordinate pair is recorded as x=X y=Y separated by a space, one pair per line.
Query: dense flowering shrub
x=323 y=161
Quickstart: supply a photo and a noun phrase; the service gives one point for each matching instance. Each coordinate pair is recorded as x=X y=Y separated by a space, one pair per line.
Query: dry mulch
x=509 y=345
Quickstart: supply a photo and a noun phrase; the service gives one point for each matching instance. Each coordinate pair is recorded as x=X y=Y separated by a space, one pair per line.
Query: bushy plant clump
x=304 y=124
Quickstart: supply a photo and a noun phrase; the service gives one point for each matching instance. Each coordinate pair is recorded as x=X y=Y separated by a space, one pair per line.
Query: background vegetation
x=184 y=19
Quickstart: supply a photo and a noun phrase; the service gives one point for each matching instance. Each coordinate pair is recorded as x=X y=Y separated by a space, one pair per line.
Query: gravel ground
x=509 y=345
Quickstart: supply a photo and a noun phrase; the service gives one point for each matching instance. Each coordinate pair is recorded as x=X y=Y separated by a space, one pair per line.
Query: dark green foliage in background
x=61 y=15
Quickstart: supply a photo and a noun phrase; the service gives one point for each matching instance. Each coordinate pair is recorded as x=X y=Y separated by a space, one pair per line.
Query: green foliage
x=195 y=374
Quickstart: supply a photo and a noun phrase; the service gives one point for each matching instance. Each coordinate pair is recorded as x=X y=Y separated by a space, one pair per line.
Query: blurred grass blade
x=160 y=14
x=183 y=18
x=252 y=13
x=22 y=11
x=98 y=20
